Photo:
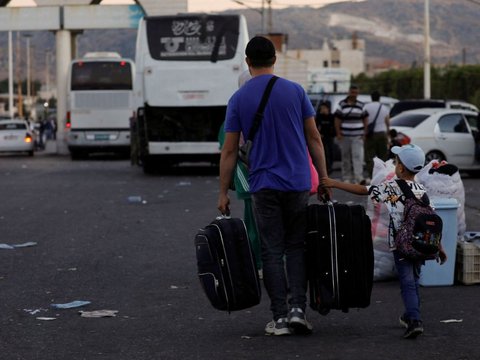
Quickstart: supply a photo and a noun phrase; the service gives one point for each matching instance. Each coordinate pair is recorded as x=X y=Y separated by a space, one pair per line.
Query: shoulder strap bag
x=246 y=148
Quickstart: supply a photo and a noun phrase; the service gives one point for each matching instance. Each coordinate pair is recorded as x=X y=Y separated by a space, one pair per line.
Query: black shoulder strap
x=409 y=193
x=261 y=107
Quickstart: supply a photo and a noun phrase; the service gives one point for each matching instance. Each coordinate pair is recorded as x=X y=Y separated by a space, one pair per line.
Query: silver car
x=15 y=136
x=444 y=134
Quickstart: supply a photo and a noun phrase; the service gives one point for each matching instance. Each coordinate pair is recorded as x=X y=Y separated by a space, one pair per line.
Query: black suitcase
x=340 y=258
x=226 y=265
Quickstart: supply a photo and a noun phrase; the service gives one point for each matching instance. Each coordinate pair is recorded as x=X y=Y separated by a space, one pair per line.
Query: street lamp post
x=47 y=71
x=19 y=79
x=426 y=64
x=29 y=77
x=261 y=12
x=10 y=75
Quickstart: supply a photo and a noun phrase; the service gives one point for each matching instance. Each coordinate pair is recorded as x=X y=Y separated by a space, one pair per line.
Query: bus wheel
x=149 y=165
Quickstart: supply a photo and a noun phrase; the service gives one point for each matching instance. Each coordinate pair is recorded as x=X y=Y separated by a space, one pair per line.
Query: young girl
x=409 y=159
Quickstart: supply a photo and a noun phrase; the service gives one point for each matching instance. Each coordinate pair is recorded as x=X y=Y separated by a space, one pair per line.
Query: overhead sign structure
x=70 y=17
x=102 y=17
x=26 y=18
x=150 y=7
x=63 y=16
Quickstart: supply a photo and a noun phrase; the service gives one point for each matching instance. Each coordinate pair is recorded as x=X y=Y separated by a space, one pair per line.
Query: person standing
x=279 y=180
x=351 y=126
x=326 y=125
x=376 y=143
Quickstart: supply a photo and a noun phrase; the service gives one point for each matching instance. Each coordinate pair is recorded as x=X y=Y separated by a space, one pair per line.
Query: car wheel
x=434 y=155
x=77 y=154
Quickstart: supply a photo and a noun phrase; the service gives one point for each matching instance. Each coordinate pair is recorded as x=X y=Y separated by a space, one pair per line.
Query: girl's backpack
x=419 y=236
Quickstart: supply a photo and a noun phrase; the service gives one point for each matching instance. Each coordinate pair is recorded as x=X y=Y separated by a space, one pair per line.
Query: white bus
x=99 y=104
x=187 y=69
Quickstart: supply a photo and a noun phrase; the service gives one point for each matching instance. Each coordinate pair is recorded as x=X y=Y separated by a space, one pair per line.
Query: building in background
x=330 y=68
x=287 y=66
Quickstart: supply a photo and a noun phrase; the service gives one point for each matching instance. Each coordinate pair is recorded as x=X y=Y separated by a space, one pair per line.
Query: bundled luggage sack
x=226 y=265
x=339 y=257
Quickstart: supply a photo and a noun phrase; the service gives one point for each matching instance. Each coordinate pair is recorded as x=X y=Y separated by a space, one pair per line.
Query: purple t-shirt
x=279 y=158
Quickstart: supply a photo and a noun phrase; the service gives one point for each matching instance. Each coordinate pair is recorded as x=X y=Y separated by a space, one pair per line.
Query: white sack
x=440 y=185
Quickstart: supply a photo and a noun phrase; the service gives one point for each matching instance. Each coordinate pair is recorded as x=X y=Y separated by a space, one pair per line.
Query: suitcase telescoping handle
x=326 y=199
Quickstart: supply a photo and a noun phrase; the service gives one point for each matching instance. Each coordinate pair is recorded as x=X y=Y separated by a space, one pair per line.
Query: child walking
x=409 y=159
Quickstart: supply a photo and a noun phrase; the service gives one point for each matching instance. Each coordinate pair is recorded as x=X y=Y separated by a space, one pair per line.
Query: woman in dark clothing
x=326 y=125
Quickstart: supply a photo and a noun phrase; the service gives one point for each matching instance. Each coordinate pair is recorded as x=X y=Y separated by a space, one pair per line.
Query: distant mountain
x=392 y=29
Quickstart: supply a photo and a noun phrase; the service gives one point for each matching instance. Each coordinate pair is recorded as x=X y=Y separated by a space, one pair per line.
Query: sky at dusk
x=215 y=5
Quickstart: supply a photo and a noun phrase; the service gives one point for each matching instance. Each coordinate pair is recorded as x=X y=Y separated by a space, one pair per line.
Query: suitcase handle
x=326 y=198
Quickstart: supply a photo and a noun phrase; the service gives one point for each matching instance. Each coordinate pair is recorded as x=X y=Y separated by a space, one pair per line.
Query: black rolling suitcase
x=226 y=265
x=339 y=257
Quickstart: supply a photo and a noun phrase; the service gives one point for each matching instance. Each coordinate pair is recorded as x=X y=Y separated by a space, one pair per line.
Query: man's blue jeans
x=408 y=275
x=281 y=220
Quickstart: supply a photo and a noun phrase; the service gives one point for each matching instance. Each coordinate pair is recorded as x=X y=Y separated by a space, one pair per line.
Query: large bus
x=187 y=69
x=99 y=104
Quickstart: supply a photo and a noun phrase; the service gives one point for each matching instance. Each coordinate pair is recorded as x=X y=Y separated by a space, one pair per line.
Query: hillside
x=392 y=29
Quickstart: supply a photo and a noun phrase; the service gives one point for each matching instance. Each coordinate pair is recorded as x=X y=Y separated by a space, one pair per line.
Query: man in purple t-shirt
x=279 y=179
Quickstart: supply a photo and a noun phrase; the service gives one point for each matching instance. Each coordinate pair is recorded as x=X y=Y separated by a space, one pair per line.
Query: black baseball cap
x=260 y=49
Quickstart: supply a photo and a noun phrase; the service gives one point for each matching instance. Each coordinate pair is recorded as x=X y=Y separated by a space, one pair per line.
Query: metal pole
x=64 y=57
x=29 y=93
x=261 y=12
x=19 y=80
x=10 y=75
x=270 y=22
x=47 y=72
x=263 y=17
x=426 y=67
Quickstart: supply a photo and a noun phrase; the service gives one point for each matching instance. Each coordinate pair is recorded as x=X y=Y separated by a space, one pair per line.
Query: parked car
x=444 y=134
x=15 y=136
x=404 y=105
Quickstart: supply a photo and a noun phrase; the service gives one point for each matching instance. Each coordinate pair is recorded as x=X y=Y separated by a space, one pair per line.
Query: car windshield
x=408 y=120
x=14 y=126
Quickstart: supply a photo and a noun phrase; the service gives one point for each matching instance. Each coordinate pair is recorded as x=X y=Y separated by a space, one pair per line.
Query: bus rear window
x=101 y=75
x=207 y=38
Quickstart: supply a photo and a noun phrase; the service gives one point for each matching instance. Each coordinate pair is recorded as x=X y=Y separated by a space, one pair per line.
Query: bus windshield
x=101 y=75
x=193 y=38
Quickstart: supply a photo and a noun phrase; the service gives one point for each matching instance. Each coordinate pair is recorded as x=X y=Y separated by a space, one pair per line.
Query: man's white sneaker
x=279 y=327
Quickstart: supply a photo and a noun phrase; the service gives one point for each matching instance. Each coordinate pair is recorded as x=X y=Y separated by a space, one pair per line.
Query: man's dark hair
x=375 y=96
x=260 y=51
x=353 y=87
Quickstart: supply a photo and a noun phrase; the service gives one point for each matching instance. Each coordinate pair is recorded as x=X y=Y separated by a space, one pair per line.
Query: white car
x=15 y=136
x=443 y=134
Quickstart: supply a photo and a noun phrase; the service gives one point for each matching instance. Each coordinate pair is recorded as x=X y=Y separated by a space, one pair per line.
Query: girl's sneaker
x=415 y=328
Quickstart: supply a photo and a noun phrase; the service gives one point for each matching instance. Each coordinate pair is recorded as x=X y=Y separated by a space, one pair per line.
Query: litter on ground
x=73 y=304
x=98 y=313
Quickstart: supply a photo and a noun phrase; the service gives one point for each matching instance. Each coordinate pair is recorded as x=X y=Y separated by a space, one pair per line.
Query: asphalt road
x=137 y=258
